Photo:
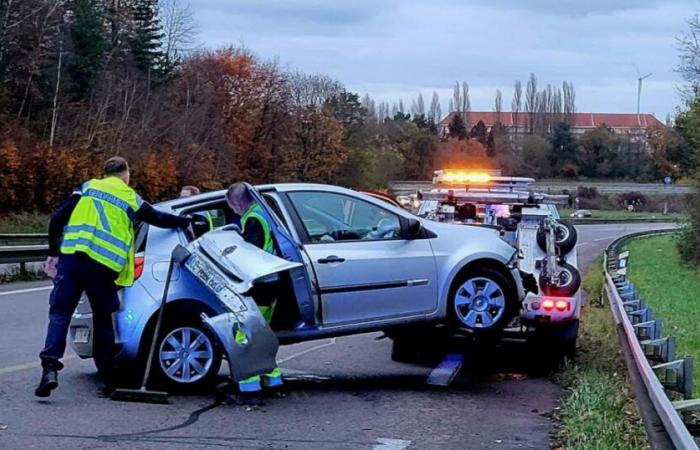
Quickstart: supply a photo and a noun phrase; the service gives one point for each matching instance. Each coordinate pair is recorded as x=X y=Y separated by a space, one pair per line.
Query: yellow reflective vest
x=101 y=226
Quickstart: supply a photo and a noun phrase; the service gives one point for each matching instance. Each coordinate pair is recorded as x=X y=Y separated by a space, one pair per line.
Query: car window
x=214 y=215
x=330 y=217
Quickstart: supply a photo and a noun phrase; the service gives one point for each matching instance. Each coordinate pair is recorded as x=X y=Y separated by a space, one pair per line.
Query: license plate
x=82 y=335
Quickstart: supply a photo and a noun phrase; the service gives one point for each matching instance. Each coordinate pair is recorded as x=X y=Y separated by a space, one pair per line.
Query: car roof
x=280 y=187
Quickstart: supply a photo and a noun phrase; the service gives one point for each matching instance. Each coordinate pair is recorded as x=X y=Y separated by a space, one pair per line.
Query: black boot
x=49 y=382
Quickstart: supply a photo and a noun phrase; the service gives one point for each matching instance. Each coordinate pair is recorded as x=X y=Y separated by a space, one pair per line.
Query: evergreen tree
x=457 y=128
x=480 y=132
x=564 y=146
x=147 y=37
x=89 y=44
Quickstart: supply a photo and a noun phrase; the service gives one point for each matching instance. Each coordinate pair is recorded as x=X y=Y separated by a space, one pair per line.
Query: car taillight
x=548 y=304
x=562 y=305
x=138 y=267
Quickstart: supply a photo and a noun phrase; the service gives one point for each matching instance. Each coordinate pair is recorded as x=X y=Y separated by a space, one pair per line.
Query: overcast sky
x=394 y=49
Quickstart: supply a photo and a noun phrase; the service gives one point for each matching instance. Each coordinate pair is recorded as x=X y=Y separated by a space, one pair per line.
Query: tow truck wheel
x=569 y=282
x=186 y=356
x=565 y=237
x=482 y=301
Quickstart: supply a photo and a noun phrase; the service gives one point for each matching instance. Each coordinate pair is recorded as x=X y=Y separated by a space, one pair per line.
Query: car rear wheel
x=565 y=237
x=186 y=357
x=569 y=282
x=482 y=301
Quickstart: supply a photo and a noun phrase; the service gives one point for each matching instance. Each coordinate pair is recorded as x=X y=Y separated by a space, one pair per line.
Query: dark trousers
x=78 y=273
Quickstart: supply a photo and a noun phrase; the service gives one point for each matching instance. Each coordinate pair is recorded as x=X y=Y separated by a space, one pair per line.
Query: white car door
x=366 y=268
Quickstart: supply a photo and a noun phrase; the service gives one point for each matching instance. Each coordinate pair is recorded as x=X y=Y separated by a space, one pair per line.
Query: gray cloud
x=394 y=49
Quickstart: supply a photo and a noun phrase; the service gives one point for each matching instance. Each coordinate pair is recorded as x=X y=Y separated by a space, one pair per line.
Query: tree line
x=84 y=79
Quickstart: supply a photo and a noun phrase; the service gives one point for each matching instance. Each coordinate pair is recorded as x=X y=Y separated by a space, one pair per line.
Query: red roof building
x=582 y=122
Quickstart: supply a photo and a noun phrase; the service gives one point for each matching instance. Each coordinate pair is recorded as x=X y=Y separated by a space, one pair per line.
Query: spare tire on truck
x=569 y=282
x=565 y=237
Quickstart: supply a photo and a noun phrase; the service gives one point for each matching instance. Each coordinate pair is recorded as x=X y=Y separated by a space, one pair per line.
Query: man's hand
x=51 y=267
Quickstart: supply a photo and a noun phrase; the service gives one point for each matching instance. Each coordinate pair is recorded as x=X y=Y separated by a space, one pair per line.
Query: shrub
x=689 y=244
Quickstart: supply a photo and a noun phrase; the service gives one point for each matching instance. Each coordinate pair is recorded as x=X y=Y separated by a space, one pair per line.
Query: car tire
x=482 y=301
x=565 y=237
x=193 y=370
x=568 y=286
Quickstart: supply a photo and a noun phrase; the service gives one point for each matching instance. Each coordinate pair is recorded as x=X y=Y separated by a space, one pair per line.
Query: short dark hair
x=240 y=191
x=115 y=165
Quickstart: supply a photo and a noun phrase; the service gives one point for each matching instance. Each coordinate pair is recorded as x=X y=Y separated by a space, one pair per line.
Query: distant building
x=631 y=124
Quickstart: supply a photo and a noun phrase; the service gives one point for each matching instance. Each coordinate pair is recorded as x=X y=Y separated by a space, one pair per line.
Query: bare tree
x=498 y=105
x=313 y=90
x=531 y=106
x=451 y=106
x=418 y=106
x=517 y=103
x=435 y=113
x=456 y=99
x=568 y=102
x=466 y=103
x=180 y=29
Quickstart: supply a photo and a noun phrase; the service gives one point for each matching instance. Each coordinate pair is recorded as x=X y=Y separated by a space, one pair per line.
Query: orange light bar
x=460 y=176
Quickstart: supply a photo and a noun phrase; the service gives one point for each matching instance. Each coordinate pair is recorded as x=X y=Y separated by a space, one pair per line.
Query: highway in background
x=343 y=393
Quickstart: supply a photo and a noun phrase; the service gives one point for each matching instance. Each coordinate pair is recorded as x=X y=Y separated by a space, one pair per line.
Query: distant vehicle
x=530 y=222
x=346 y=262
x=581 y=213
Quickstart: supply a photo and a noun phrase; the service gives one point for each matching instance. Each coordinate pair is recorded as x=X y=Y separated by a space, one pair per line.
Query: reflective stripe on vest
x=101 y=226
x=255 y=211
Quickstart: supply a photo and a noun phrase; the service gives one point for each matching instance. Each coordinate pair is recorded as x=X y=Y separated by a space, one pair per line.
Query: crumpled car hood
x=241 y=262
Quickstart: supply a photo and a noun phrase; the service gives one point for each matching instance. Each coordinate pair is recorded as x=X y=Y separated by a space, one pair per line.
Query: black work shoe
x=106 y=390
x=49 y=382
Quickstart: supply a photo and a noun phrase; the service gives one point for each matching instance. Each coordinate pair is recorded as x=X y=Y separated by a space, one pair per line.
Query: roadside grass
x=623 y=214
x=671 y=289
x=24 y=223
x=598 y=411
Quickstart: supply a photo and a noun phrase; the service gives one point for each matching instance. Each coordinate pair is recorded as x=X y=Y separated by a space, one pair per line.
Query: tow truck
x=530 y=222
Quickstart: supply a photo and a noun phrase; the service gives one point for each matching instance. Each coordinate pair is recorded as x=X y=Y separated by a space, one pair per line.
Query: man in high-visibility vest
x=91 y=248
x=256 y=229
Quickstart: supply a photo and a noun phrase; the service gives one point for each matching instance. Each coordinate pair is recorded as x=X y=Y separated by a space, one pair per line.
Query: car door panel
x=376 y=280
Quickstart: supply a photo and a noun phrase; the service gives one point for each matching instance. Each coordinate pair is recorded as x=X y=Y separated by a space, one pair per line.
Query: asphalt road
x=343 y=393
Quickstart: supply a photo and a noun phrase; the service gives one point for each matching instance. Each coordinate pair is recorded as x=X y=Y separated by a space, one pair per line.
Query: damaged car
x=344 y=263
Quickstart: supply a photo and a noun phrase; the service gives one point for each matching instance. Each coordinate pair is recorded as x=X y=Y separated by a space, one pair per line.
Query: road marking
x=446 y=371
x=31 y=365
x=26 y=291
x=391 y=444
x=304 y=352
x=605 y=238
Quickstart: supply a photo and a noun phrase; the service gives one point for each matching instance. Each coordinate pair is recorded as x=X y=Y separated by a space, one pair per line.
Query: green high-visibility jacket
x=101 y=226
x=256 y=212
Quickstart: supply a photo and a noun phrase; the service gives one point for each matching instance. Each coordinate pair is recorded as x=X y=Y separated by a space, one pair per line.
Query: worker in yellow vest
x=91 y=250
x=256 y=229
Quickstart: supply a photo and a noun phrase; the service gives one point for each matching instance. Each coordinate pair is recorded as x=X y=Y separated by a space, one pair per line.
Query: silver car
x=345 y=263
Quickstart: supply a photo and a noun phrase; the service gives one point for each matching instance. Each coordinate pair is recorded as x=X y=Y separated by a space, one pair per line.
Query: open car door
x=290 y=250
x=228 y=266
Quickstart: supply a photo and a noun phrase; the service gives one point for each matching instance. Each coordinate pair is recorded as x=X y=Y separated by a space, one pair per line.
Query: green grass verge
x=24 y=223
x=671 y=289
x=598 y=412
x=623 y=214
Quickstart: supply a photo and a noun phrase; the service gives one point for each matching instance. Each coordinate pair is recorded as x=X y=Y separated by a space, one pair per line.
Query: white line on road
x=446 y=371
x=26 y=291
x=605 y=238
x=31 y=365
x=391 y=444
x=304 y=352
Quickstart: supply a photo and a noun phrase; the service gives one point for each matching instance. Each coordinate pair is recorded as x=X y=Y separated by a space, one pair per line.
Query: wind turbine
x=640 y=79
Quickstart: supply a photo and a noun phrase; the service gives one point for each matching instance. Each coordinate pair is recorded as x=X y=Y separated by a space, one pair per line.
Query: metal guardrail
x=640 y=335
x=23 y=248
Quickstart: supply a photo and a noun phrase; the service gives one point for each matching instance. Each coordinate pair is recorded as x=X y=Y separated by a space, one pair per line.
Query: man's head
x=116 y=166
x=238 y=198
x=189 y=191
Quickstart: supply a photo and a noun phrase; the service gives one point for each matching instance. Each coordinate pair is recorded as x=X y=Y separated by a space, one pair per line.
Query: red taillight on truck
x=562 y=305
x=138 y=267
x=548 y=304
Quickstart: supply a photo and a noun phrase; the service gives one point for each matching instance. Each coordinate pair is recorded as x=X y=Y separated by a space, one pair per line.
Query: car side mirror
x=415 y=228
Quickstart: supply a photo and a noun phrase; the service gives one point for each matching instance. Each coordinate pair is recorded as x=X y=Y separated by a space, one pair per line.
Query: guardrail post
x=639 y=316
x=677 y=376
x=648 y=330
x=660 y=350
x=633 y=305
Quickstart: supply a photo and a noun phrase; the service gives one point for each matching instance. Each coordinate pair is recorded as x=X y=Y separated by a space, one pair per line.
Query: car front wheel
x=483 y=301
